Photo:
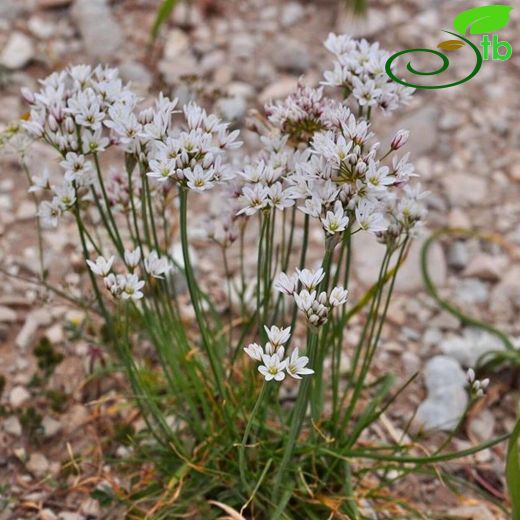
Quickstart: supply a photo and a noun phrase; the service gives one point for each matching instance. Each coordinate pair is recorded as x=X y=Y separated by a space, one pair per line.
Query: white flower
x=285 y=284
x=378 y=177
x=50 y=212
x=278 y=336
x=310 y=279
x=477 y=387
x=400 y=139
x=369 y=218
x=273 y=367
x=255 y=198
x=366 y=93
x=155 y=266
x=131 y=287
x=296 y=365
x=66 y=196
x=254 y=351
x=199 y=179
x=132 y=258
x=304 y=300
x=101 y=266
x=41 y=182
x=338 y=296
x=337 y=221
x=75 y=166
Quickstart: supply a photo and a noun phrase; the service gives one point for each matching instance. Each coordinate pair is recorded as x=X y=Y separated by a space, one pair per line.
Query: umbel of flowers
x=320 y=167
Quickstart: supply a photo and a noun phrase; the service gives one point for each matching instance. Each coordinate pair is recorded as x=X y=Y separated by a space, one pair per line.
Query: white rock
x=18 y=396
x=69 y=515
x=422 y=127
x=447 y=398
x=12 y=426
x=18 y=51
x=281 y=88
x=464 y=189
x=47 y=514
x=176 y=44
x=136 y=73
x=232 y=109
x=7 y=315
x=38 y=465
x=483 y=425
x=50 y=426
x=99 y=30
x=40 y=27
x=373 y=22
x=486 y=267
x=458 y=256
x=470 y=347
x=34 y=320
x=292 y=13
x=291 y=56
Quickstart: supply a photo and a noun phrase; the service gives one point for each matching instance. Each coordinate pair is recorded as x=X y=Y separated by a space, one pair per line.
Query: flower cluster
x=325 y=160
x=477 y=387
x=83 y=111
x=303 y=286
x=128 y=286
x=360 y=68
x=275 y=364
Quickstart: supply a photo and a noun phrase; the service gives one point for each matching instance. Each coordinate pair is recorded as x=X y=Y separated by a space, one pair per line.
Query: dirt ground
x=59 y=428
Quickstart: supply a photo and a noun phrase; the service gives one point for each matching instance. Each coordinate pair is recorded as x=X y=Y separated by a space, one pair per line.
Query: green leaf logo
x=480 y=20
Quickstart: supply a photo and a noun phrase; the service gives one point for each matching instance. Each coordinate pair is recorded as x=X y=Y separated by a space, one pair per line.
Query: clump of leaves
x=57 y=400
x=47 y=356
x=31 y=422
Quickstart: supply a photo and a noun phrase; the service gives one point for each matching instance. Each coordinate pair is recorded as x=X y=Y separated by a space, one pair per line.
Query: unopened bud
x=400 y=139
x=28 y=95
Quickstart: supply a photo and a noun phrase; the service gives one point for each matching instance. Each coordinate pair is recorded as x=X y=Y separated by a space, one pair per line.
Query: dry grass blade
x=233 y=513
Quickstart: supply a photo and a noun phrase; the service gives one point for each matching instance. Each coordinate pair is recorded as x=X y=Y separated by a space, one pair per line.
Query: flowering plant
x=321 y=168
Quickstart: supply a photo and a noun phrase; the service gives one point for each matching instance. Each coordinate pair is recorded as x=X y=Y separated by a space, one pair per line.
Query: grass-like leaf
x=513 y=471
x=163 y=13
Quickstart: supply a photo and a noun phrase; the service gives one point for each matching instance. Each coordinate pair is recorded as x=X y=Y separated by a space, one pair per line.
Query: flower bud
x=28 y=95
x=400 y=139
x=70 y=126
x=53 y=124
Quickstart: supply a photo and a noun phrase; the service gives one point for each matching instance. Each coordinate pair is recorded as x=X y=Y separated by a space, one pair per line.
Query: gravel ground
x=55 y=424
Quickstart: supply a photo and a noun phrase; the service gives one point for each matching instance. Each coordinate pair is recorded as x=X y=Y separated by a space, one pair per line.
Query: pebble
x=291 y=56
x=47 y=514
x=18 y=396
x=279 y=89
x=423 y=133
x=486 y=267
x=99 y=30
x=465 y=189
x=458 y=256
x=18 y=51
x=232 y=109
x=470 y=347
x=136 y=73
x=471 y=291
x=447 y=398
x=355 y=26
x=445 y=321
x=177 y=43
x=12 y=426
x=38 y=465
x=50 y=426
x=70 y=515
x=7 y=315
x=292 y=13
x=35 y=319
x=483 y=425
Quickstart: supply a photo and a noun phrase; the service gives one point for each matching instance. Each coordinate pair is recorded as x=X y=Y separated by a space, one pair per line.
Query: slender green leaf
x=513 y=471
x=163 y=13
x=484 y=19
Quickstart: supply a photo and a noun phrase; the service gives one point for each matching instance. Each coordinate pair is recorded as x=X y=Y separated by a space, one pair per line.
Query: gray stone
x=232 y=108
x=38 y=465
x=7 y=315
x=18 y=396
x=447 y=398
x=50 y=426
x=445 y=321
x=423 y=130
x=12 y=426
x=368 y=255
x=471 y=291
x=458 y=255
x=292 y=13
x=291 y=56
x=99 y=30
x=483 y=425
x=137 y=74
x=280 y=89
x=18 y=51
x=465 y=189
x=356 y=26
x=470 y=347
x=41 y=27
x=34 y=320
x=177 y=43
x=486 y=267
